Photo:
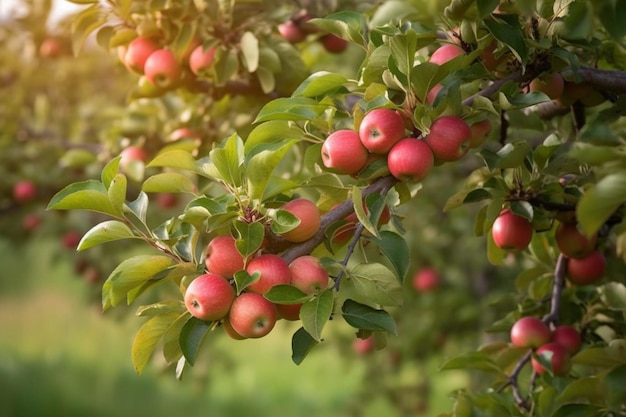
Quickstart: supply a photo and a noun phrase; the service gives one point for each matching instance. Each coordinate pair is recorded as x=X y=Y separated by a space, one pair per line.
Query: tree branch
x=609 y=80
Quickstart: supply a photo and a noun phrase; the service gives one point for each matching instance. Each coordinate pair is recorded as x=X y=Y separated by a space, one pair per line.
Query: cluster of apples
x=557 y=346
x=585 y=264
x=212 y=296
x=297 y=29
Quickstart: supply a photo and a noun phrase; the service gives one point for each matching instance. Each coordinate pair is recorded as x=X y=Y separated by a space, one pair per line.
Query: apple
x=587 y=270
x=138 y=51
x=344 y=152
x=530 y=332
x=24 y=191
x=449 y=138
x=50 y=48
x=91 y=274
x=551 y=85
x=201 y=59
x=364 y=346
x=131 y=155
x=71 y=239
x=182 y=133
x=432 y=94
x=558 y=357
x=162 y=68
x=410 y=160
x=222 y=256
x=480 y=132
x=308 y=274
x=572 y=242
x=333 y=43
x=380 y=129
x=273 y=269
x=426 y=280
x=167 y=200
x=309 y=216
x=291 y=31
x=228 y=328
x=489 y=60
x=31 y=222
x=445 y=53
x=568 y=337
x=289 y=312
x=511 y=232
x=252 y=316
x=209 y=297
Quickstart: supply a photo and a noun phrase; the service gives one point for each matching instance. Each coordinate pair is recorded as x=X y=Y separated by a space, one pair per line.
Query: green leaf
x=139 y=207
x=396 y=250
x=176 y=158
x=376 y=284
x=147 y=337
x=316 y=312
x=284 y=221
x=301 y=345
x=228 y=158
x=472 y=360
x=576 y=410
x=243 y=279
x=84 y=23
x=88 y=195
x=191 y=337
x=600 y=201
x=104 y=232
x=171 y=339
x=403 y=48
x=597 y=357
x=286 y=294
x=77 y=158
x=291 y=108
x=168 y=182
x=347 y=25
x=506 y=29
x=249 y=237
x=614 y=295
x=117 y=193
x=512 y=154
x=365 y=317
x=270 y=132
x=486 y=7
x=587 y=389
x=615 y=386
x=260 y=163
x=250 y=50
x=321 y=84
x=110 y=170
x=160 y=308
x=131 y=273
x=612 y=14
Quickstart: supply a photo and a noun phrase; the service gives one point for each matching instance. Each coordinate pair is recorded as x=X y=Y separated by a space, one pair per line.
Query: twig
x=492 y=88
x=355 y=241
x=557 y=290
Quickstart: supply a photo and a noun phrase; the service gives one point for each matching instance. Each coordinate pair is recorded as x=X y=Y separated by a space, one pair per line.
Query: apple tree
x=347 y=134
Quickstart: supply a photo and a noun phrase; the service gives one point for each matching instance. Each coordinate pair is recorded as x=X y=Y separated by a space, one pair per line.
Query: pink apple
x=222 y=256
x=138 y=51
x=228 y=328
x=309 y=216
x=449 y=138
x=445 y=53
x=572 y=242
x=333 y=44
x=71 y=239
x=410 y=160
x=568 y=337
x=162 y=68
x=209 y=297
x=587 y=270
x=308 y=274
x=132 y=154
x=364 y=346
x=252 y=316
x=530 y=332
x=182 y=133
x=511 y=232
x=201 y=59
x=556 y=355
x=24 y=191
x=380 y=129
x=291 y=31
x=343 y=151
x=480 y=132
x=551 y=85
x=426 y=280
x=432 y=94
x=290 y=312
x=273 y=269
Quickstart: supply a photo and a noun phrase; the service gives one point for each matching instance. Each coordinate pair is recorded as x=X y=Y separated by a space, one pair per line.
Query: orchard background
x=138 y=132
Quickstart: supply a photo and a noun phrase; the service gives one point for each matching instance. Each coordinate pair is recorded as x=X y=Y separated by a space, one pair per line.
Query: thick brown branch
x=609 y=80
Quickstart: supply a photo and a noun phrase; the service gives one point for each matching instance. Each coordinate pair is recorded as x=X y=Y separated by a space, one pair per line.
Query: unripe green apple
x=209 y=297
x=252 y=315
x=343 y=151
x=410 y=160
x=138 y=51
x=308 y=274
x=568 y=337
x=587 y=270
x=530 y=332
x=309 y=216
x=201 y=59
x=511 y=232
x=380 y=129
x=273 y=269
x=449 y=138
x=222 y=256
x=162 y=68
x=556 y=355
x=572 y=242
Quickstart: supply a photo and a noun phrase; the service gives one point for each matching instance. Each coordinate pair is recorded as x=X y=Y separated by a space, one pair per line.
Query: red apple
x=551 y=85
x=133 y=153
x=380 y=129
x=568 y=337
x=572 y=242
x=488 y=58
x=426 y=280
x=24 y=191
x=71 y=239
x=511 y=232
x=410 y=160
x=31 y=222
x=432 y=94
x=587 y=270
x=291 y=31
x=222 y=256
x=289 y=312
x=182 y=133
x=167 y=200
x=308 y=274
x=530 y=332
x=162 y=68
x=228 y=328
x=449 y=138
x=445 y=53
x=333 y=44
x=201 y=59
x=480 y=132
x=364 y=346
x=252 y=316
x=138 y=51
x=273 y=269
x=50 y=48
x=309 y=216
x=556 y=355
x=209 y=297
x=344 y=152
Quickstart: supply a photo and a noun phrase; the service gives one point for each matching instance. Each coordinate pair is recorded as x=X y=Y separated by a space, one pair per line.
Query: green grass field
x=59 y=356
